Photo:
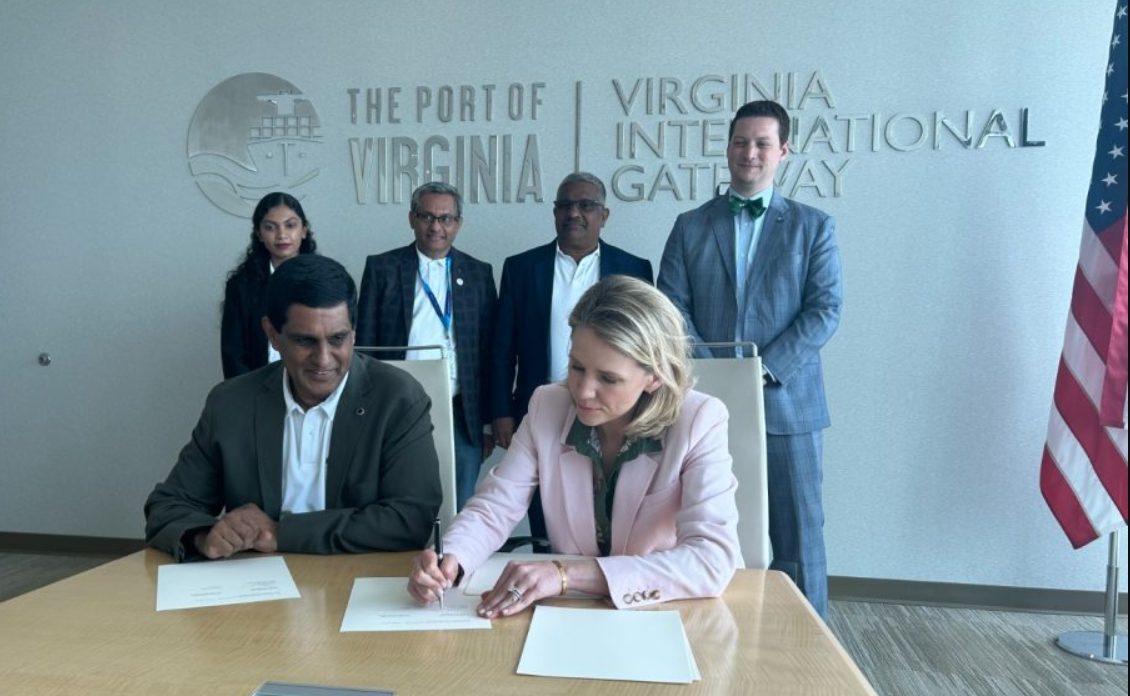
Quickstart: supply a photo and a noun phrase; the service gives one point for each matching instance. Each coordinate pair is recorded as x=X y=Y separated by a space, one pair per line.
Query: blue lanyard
x=444 y=314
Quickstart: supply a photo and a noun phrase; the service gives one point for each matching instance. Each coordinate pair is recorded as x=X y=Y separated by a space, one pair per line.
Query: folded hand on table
x=242 y=529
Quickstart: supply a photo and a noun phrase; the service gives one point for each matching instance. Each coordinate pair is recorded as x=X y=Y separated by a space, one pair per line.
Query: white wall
x=957 y=262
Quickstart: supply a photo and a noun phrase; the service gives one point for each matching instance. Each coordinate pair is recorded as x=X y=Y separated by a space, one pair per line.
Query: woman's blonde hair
x=640 y=322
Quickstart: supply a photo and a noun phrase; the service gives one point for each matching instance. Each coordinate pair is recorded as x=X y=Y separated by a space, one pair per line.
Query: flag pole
x=1108 y=646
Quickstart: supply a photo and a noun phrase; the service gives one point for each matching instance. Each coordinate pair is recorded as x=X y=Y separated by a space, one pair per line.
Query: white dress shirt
x=570 y=280
x=306 y=445
x=747 y=231
x=427 y=328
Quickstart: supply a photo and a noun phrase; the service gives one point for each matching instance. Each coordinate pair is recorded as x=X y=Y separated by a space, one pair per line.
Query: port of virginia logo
x=252 y=134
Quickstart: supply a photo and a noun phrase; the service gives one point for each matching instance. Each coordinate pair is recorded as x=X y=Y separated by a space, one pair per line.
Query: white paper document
x=216 y=583
x=648 y=646
x=488 y=573
x=383 y=604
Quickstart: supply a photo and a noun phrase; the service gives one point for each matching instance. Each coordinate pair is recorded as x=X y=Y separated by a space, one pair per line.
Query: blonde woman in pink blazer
x=633 y=465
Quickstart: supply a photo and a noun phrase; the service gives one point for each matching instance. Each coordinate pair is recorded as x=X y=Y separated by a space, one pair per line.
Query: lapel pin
x=458 y=281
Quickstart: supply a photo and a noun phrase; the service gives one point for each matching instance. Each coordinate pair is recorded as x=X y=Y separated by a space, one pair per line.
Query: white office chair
x=737 y=382
x=433 y=376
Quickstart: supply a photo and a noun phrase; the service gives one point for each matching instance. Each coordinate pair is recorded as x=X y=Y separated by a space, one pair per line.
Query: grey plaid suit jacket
x=794 y=295
x=384 y=318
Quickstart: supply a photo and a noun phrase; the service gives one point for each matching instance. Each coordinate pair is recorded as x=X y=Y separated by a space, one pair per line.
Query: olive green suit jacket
x=382 y=476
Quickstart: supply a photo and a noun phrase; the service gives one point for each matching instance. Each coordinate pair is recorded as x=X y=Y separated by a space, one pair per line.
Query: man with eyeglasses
x=539 y=289
x=429 y=293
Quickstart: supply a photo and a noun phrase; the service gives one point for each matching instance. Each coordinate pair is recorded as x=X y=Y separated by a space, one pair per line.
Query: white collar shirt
x=306 y=446
x=570 y=280
x=427 y=327
x=747 y=232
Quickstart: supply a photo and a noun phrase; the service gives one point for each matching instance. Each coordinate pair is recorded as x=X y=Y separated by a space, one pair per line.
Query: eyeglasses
x=444 y=220
x=585 y=206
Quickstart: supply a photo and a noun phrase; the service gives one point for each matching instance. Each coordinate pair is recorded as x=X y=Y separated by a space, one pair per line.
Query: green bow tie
x=755 y=205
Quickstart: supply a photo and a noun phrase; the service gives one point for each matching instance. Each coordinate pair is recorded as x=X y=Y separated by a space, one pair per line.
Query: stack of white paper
x=648 y=646
x=383 y=604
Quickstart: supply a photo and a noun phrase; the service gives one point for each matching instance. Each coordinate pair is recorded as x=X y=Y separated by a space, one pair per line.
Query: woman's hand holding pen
x=430 y=577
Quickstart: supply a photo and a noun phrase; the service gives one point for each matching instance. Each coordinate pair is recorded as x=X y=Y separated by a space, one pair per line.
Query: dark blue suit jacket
x=522 y=327
x=384 y=318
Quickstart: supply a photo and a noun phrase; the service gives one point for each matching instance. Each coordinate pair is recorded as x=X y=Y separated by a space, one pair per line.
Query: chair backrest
x=737 y=382
x=433 y=375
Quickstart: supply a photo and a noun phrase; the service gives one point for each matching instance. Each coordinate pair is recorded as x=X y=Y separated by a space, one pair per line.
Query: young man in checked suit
x=752 y=265
x=429 y=293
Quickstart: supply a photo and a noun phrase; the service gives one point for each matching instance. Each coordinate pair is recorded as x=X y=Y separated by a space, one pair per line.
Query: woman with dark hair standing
x=279 y=231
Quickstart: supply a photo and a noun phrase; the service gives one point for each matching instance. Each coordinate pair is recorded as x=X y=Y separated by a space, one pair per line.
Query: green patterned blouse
x=586 y=440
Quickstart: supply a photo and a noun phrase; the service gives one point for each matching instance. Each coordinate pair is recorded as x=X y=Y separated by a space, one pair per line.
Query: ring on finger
x=515 y=593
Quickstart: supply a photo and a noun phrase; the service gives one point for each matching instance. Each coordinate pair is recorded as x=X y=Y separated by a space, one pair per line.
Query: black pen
x=439 y=553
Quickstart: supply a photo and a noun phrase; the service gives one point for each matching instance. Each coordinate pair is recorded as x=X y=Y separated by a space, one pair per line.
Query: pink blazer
x=674 y=516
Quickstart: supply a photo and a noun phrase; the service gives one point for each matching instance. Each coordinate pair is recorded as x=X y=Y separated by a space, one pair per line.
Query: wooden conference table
x=98 y=633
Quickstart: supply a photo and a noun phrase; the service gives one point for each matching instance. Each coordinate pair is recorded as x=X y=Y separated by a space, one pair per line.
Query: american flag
x=1083 y=474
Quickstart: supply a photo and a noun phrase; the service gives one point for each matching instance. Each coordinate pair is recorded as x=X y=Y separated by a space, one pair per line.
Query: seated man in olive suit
x=323 y=451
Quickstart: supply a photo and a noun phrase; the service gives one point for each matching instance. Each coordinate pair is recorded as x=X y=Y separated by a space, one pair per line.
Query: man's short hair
x=585 y=177
x=436 y=187
x=312 y=280
x=764 y=107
